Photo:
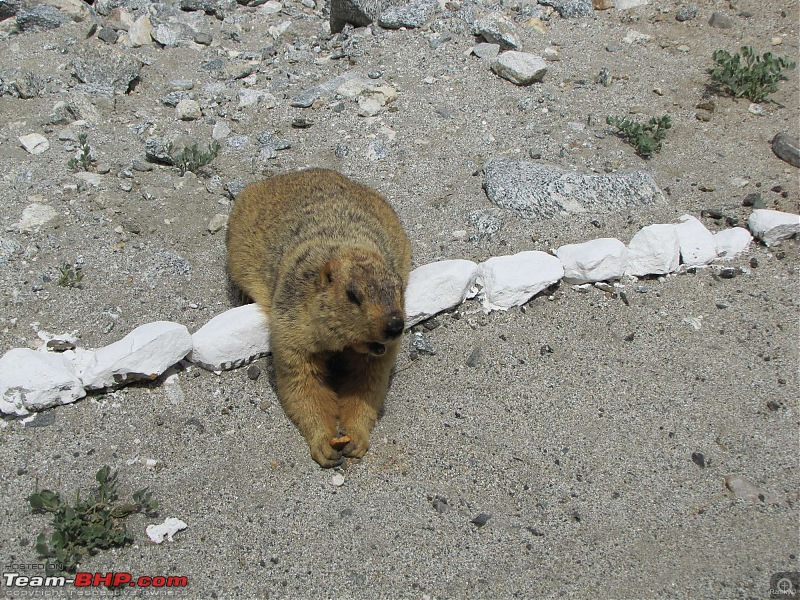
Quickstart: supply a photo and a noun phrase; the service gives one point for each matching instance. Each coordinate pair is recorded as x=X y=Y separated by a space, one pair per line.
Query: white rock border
x=32 y=381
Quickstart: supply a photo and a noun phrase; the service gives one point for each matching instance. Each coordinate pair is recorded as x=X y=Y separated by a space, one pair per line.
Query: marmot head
x=360 y=303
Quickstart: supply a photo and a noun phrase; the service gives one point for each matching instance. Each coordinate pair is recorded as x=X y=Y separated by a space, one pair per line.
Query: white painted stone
x=697 y=243
x=170 y=526
x=602 y=259
x=144 y=353
x=438 y=286
x=35 y=215
x=513 y=280
x=31 y=380
x=34 y=143
x=231 y=339
x=520 y=68
x=654 y=250
x=730 y=242
x=773 y=226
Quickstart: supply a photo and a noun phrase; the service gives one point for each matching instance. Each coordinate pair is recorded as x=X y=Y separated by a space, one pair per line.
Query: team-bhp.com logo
x=92 y=580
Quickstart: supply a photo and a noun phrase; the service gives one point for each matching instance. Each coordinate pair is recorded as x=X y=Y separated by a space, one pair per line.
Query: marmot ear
x=326 y=274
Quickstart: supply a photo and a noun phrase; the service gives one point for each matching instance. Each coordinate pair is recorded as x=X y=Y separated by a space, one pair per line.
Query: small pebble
x=699 y=459
x=337 y=480
x=253 y=372
x=475 y=356
x=481 y=519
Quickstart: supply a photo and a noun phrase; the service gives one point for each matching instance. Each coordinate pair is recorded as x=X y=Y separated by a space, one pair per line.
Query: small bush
x=747 y=75
x=90 y=525
x=71 y=276
x=646 y=138
x=83 y=161
x=191 y=158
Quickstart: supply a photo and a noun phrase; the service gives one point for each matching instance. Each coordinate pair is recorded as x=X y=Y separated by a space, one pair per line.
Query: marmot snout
x=328 y=261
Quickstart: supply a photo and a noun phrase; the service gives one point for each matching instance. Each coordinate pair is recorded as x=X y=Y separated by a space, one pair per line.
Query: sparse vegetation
x=646 y=138
x=71 y=276
x=191 y=158
x=83 y=161
x=745 y=74
x=90 y=525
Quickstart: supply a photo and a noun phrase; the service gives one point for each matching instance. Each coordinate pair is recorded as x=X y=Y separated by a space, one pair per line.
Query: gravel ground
x=582 y=450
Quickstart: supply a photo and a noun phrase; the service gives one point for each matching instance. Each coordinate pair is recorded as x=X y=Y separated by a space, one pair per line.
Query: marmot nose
x=394 y=327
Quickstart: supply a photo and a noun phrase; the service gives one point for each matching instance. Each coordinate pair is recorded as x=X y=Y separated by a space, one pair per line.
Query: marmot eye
x=352 y=295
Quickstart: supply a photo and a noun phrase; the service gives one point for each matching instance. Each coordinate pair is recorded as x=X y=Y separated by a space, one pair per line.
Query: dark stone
x=787 y=147
x=699 y=459
x=720 y=21
x=253 y=372
x=545 y=349
x=475 y=356
x=60 y=345
x=108 y=35
x=481 y=519
x=686 y=13
x=40 y=17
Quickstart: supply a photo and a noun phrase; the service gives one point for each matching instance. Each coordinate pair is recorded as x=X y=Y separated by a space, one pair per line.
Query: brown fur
x=328 y=261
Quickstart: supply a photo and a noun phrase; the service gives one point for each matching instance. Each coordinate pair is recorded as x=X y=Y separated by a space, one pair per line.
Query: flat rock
x=356 y=12
x=520 y=68
x=231 y=339
x=628 y=4
x=438 y=286
x=536 y=191
x=603 y=259
x=773 y=226
x=733 y=241
x=486 y=51
x=349 y=84
x=513 y=280
x=720 y=21
x=654 y=250
x=746 y=490
x=697 y=243
x=145 y=353
x=35 y=215
x=34 y=143
x=31 y=381
x=497 y=29
x=110 y=68
x=77 y=10
x=412 y=15
x=787 y=147
x=188 y=110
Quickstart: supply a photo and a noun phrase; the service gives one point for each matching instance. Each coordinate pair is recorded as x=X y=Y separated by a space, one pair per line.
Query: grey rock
x=20 y=84
x=520 y=68
x=411 y=15
x=422 y=345
x=238 y=142
x=497 y=29
x=9 y=8
x=486 y=51
x=104 y=7
x=787 y=147
x=203 y=38
x=481 y=519
x=686 y=13
x=307 y=97
x=570 y=9
x=156 y=149
x=535 y=191
x=8 y=248
x=720 y=21
x=108 y=35
x=475 y=356
x=487 y=221
x=269 y=140
x=171 y=35
x=173 y=98
x=356 y=12
x=40 y=17
x=377 y=151
x=234 y=187
x=110 y=69
x=169 y=263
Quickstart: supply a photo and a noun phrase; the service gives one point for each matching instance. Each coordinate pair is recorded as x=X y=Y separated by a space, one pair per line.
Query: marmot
x=328 y=261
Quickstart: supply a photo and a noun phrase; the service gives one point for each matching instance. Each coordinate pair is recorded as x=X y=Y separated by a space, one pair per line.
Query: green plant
x=746 y=74
x=71 y=276
x=191 y=158
x=645 y=137
x=90 y=525
x=83 y=161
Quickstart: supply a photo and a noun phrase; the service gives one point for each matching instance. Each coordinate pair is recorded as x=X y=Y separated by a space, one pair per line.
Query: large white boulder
x=696 y=242
x=773 y=226
x=231 y=339
x=31 y=380
x=602 y=259
x=730 y=242
x=654 y=250
x=144 y=353
x=438 y=286
x=513 y=280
